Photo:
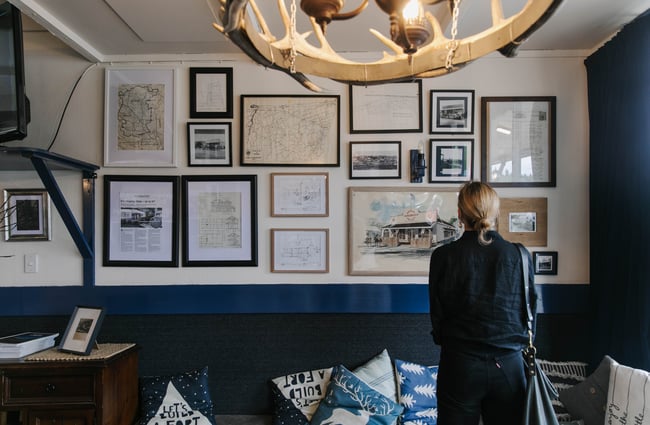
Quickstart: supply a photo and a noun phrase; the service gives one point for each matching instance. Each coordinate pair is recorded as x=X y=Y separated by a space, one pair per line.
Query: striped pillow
x=563 y=375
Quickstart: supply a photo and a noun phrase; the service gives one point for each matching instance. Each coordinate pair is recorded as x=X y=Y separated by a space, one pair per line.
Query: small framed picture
x=300 y=194
x=452 y=161
x=211 y=93
x=209 y=144
x=524 y=220
x=82 y=330
x=452 y=111
x=386 y=108
x=26 y=215
x=300 y=250
x=545 y=262
x=375 y=160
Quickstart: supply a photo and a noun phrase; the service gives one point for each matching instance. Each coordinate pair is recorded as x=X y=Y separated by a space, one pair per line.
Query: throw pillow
x=183 y=397
x=417 y=392
x=587 y=400
x=378 y=372
x=296 y=395
x=563 y=375
x=351 y=401
x=628 y=397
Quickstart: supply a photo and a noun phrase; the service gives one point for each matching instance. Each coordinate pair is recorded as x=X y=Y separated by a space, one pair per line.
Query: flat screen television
x=14 y=105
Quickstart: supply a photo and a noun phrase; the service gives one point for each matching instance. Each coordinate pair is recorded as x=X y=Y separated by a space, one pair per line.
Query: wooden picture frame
x=545 y=262
x=27 y=215
x=211 y=93
x=83 y=327
x=300 y=194
x=451 y=160
x=300 y=250
x=524 y=220
x=386 y=108
x=139 y=126
x=140 y=221
x=518 y=141
x=219 y=220
x=393 y=230
x=452 y=111
x=375 y=160
x=299 y=130
x=209 y=144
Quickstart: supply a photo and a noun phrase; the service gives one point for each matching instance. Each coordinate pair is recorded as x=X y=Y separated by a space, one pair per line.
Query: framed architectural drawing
x=452 y=160
x=392 y=231
x=452 y=111
x=386 y=108
x=375 y=160
x=140 y=221
x=524 y=220
x=300 y=250
x=27 y=215
x=290 y=130
x=219 y=220
x=211 y=93
x=299 y=194
x=209 y=144
x=139 y=118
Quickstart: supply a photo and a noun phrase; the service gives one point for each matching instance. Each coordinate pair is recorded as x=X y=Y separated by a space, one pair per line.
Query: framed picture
x=290 y=130
x=386 y=108
x=81 y=334
x=375 y=160
x=27 y=215
x=523 y=220
x=209 y=144
x=300 y=250
x=545 y=262
x=452 y=160
x=392 y=231
x=141 y=221
x=452 y=111
x=219 y=220
x=518 y=141
x=139 y=118
x=299 y=194
x=211 y=93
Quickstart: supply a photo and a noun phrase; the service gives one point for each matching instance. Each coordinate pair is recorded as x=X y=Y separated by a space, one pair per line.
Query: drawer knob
x=50 y=388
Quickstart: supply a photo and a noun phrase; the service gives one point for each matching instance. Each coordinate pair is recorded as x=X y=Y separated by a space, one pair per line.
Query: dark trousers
x=471 y=386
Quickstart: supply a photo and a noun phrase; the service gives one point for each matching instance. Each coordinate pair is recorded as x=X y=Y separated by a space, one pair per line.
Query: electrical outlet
x=31 y=263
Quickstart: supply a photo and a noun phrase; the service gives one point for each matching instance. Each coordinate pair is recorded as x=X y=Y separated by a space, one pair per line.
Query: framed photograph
x=141 y=221
x=81 y=334
x=392 y=231
x=452 y=111
x=300 y=251
x=211 y=93
x=386 y=108
x=27 y=215
x=375 y=160
x=290 y=130
x=452 y=160
x=139 y=118
x=545 y=262
x=299 y=194
x=523 y=220
x=209 y=144
x=518 y=141
x=219 y=220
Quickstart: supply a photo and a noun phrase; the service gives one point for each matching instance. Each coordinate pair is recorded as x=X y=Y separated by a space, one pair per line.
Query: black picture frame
x=386 y=108
x=209 y=144
x=83 y=327
x=376 y=160
x=452 y=111
x=545 y=262
x=137 y=203
x=219 y=220
x=211 y=92
x=451 y=160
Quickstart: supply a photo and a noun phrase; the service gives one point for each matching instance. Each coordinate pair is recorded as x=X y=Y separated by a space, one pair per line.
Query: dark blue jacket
x=476 y=295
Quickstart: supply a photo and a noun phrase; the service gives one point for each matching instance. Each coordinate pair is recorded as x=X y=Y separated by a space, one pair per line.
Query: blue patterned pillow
x=184 y=398
x=417 y=392
x=351 y=401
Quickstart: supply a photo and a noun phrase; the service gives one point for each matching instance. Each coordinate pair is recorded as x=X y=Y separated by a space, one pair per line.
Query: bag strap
x=524 y=266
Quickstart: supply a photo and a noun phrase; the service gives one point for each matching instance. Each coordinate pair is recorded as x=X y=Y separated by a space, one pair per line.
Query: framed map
x=139 y=118
x=290 y=130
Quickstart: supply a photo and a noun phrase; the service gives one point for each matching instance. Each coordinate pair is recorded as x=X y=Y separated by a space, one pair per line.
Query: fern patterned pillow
x=416 y=385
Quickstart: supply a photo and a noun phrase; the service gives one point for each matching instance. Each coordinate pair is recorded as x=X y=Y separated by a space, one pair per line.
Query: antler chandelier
x=418 y=46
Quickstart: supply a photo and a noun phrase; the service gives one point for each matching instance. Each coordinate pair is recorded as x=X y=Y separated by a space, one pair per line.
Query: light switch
x=31 y=263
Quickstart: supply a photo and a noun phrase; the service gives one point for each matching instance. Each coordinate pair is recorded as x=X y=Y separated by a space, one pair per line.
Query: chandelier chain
x=292 y=39
x=453 y=43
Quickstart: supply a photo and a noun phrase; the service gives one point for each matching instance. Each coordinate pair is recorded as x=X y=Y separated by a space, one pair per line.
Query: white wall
x=52 y=70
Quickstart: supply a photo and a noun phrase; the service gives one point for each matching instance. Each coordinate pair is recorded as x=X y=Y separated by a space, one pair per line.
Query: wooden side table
x=55 y=388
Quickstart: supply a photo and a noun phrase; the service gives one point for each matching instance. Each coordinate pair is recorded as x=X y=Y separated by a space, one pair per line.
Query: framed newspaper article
x=141 y=221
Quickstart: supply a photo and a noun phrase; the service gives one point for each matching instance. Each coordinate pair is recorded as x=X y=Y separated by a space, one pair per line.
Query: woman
x=477 y=313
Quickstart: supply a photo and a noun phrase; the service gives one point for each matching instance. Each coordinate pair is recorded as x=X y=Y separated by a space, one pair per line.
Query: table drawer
x=25 y=389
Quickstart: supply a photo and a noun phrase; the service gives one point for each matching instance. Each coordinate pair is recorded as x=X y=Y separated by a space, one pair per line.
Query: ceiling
x=120 y=30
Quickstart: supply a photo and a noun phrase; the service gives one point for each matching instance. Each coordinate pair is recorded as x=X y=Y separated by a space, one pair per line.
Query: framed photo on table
x=386 y=108
x=452 y=160
x=141 y=221
x=375 y=160
x=81 y=333
x=209 y=144
x=518 y=141
x=299 y=194
x=219 y=220
x=299 y=250
x=27 y=215
x=211 y=94
x=139 y=118
x=452 y=111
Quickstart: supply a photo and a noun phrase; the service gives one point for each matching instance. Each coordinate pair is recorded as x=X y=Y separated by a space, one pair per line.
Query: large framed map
x=139 y=118
x=290 y=130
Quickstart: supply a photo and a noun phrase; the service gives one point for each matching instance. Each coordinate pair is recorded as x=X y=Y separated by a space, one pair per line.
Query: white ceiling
x=115 y=30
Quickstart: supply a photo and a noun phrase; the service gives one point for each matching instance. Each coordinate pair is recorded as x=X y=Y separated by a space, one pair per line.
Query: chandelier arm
x=352 y=13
